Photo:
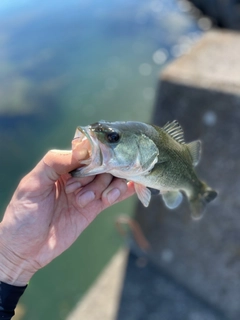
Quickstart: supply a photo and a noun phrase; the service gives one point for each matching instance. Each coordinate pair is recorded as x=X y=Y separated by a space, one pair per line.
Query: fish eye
x=113 y=137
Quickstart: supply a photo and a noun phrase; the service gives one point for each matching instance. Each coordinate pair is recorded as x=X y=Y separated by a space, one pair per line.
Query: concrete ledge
x=213 y=64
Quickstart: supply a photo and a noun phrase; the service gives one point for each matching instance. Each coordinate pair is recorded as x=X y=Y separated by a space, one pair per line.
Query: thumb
x=58 y=162
x=61 y=161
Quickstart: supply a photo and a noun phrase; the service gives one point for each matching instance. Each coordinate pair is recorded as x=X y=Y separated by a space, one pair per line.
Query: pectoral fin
x=143 y=193
x=172 y=199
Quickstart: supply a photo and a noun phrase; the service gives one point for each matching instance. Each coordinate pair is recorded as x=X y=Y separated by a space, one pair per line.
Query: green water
x=64 y=64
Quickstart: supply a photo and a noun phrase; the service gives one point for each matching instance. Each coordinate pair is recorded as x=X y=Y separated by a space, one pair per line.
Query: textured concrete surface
x=202 y=91
x=149 y=294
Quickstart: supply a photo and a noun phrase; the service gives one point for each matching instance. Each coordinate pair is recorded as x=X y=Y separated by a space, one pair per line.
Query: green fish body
x=152 y=157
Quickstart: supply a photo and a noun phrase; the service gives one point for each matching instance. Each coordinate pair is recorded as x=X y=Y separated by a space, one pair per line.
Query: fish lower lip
x=82 y=134
x=74 y=173
x=96 y=152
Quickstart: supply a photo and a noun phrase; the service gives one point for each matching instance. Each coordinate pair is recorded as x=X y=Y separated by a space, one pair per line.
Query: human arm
x=48 y=212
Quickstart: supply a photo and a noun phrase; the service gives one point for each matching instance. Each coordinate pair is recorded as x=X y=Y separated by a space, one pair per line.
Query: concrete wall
x=202 y=91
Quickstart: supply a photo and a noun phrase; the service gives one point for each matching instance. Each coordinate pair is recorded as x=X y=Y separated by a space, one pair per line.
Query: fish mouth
x=95 y=153
x=95 y=158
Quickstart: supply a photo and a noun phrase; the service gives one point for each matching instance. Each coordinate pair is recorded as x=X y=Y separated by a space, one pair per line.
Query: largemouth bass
x=153 y=158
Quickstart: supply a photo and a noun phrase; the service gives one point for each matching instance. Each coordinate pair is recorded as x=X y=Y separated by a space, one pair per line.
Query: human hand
x=48 y=212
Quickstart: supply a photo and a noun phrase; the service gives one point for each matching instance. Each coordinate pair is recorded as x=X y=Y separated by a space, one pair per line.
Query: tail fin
x=198 y=203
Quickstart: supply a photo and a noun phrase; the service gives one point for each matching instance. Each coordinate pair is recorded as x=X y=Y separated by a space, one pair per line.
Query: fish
x=154 y=158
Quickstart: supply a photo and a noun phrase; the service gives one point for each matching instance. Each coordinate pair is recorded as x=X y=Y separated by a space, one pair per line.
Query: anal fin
x=172 y=199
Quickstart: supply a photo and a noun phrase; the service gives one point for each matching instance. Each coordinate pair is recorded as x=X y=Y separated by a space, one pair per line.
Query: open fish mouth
x=95 y=158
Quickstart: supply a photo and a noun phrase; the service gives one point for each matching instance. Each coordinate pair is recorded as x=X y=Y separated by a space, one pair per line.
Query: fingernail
x=72 y=187
x=86 y=198
x=113 y=195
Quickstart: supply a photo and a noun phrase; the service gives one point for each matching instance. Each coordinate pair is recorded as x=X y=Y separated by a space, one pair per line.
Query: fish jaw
x=94 y=164
x=109 y=157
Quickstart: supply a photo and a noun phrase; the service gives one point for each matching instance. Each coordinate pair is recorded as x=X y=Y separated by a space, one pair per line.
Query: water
x=70 y=63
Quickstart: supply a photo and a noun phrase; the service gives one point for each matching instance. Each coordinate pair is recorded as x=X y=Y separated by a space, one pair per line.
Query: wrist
x=14 y=273
x=14 y=269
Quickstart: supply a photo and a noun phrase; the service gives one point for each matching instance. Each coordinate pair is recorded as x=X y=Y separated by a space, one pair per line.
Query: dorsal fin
x=175 y=131
x=195 y=151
